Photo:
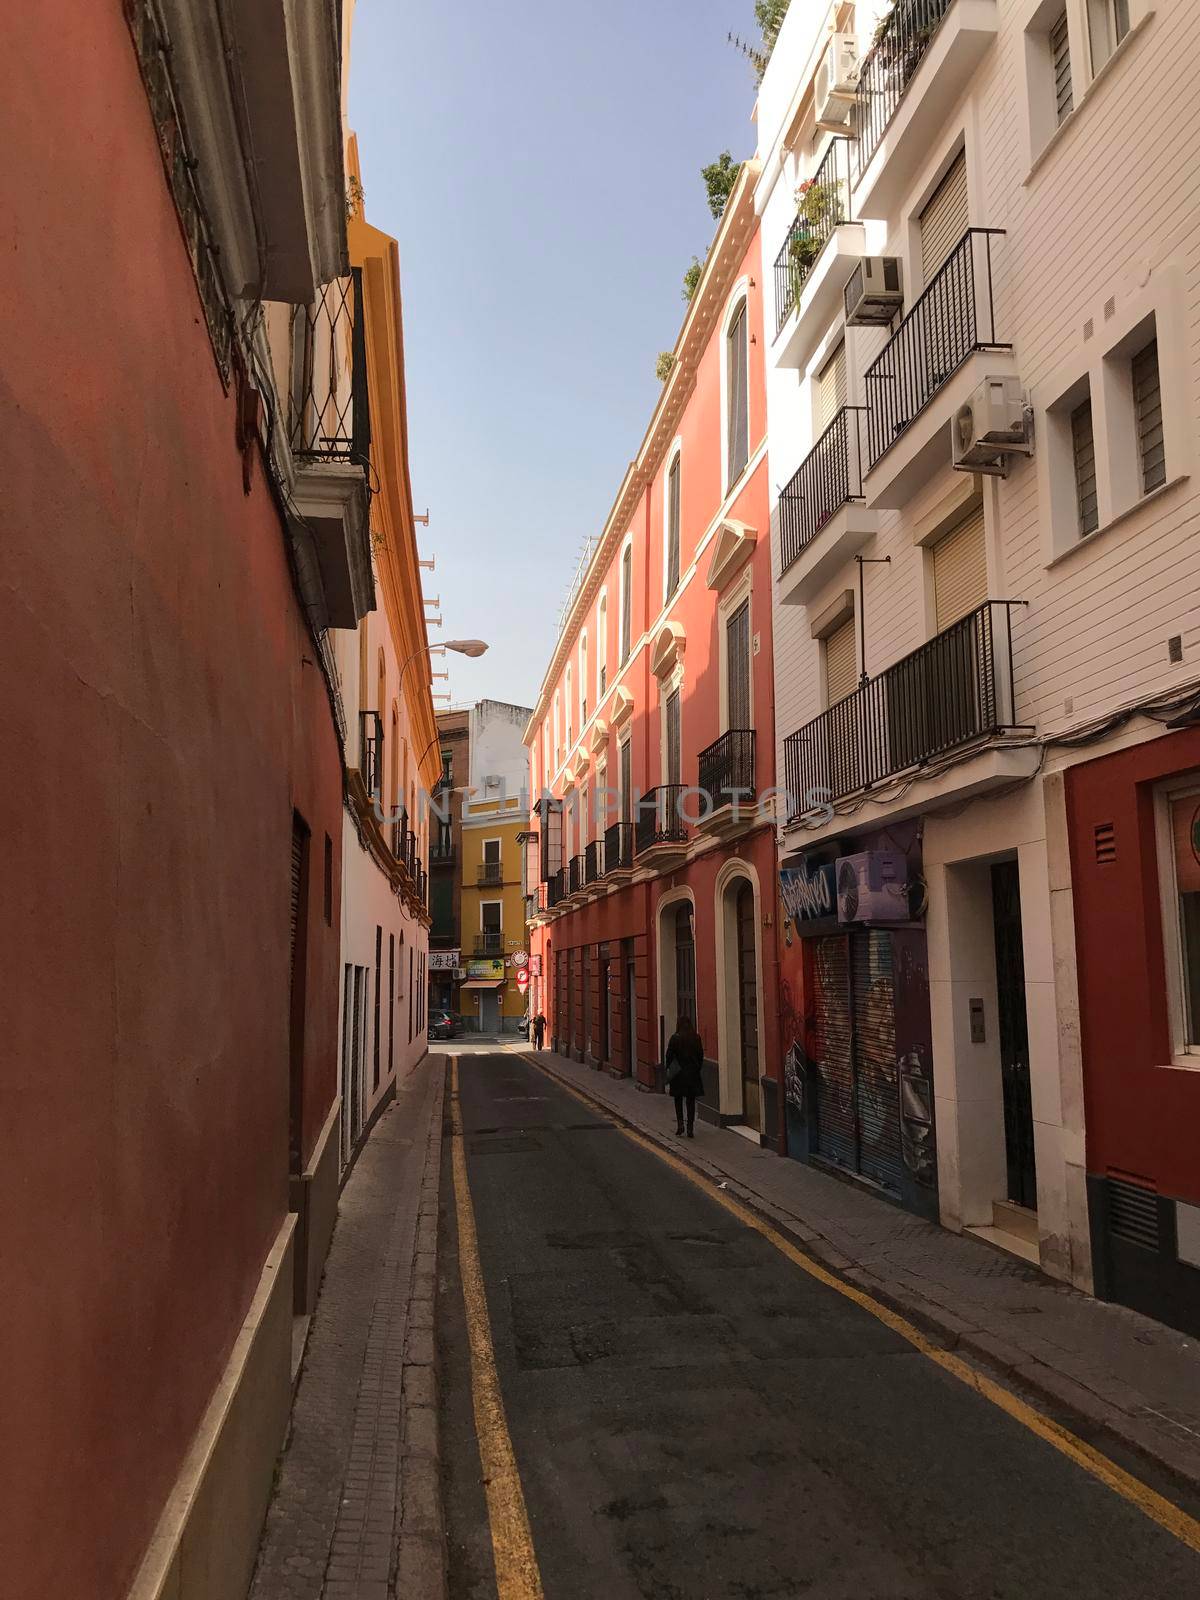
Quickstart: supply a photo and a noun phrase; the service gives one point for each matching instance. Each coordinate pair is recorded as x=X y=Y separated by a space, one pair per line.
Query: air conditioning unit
x=836 y=83
x=873 y=887
x=874 y=292
x=994 y=423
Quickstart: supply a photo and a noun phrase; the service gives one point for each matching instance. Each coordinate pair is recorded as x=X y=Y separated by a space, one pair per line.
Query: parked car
x=444 y=1025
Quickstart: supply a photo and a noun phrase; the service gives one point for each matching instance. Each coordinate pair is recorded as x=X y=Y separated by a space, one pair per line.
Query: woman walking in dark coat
x=685 y=1080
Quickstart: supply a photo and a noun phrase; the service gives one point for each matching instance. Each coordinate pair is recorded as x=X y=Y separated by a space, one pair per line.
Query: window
x=673 y=528
x=839 y=662
x=737 y=668
x=626 y=780
x=585 y=801
x=570 y=739
x=547 y=769
x=737 y=398
x=685 y=962
x=1147 y=410
x=1179 y=870
x=830 y=395
x=1108 y=23
x=945 y=220
x=672 y=754
x=378 y=997
x=1060 y=60
x=447 y=766
x=583 y=678
x=602 y=647
x=1083 y=451
x=391 y=1003
x=557 y=735
x=626 y=602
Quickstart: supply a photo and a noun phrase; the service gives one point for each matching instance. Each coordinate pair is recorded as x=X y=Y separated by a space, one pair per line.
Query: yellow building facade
x=493 y=914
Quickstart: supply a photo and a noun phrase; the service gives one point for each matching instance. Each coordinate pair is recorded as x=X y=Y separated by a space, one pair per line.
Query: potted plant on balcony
x=819 y=209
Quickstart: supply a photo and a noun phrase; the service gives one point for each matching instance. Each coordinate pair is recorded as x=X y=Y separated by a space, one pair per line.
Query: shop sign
x=486 y=969
x=809 y=893
x=443 y=960
x=519 y=959
x=535 y=966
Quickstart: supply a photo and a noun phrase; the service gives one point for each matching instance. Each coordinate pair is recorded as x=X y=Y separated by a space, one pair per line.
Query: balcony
x=945 y=347
x=593 y=862
x=536 y=903
x=489 y=873
x=370 y=752
x=727 y=780
x=489 y=943
x=555 y=889
x=618 y=851
x=330 y=433
x=399 y=838
x=925 y=55
x=822 y=519
x=660 y=830
x=441 y=851
x=812 y=267
x=949 y=694
x=575 y=875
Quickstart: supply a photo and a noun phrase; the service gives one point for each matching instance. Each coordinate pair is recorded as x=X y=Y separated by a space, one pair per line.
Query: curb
x=1089 y=1411
x=421 y=1559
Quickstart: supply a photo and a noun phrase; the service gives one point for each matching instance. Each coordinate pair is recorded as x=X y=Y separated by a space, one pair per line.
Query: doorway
x=747 y=977
x=1014 y=1035
x=605 y=1011
x=489 y=1010
x=630 y=1006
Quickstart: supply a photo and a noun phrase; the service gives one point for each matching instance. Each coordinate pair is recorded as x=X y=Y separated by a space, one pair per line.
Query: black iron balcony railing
x=888 y=67
x=618 y=847
x=824 y=201
x=575 y=874
x=536 y=902
x=955 y=689
x=400 y=836
x=660 y=819
x=593 y=861
x=490 y=872
x=441 y=850
x=490 y=942
x=555 y=890
x=954 y=317
x=727 y=769
x=829 y=477
x=330 y=418
x=370 y=751
x=422 y=884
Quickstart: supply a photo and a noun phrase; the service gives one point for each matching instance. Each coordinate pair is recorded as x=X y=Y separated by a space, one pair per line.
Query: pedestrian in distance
x=684 y=1062
x=539 y=1030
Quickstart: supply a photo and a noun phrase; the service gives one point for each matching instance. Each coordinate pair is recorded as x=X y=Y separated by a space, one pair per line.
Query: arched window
x=671 y=580
x=626 y=602
x=737 y=396
x=602 y=646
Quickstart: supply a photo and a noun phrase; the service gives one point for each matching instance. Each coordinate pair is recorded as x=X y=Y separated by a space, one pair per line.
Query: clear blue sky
x=540 y=165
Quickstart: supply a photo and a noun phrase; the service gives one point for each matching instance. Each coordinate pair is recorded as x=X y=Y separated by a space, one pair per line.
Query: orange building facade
x=650 y=871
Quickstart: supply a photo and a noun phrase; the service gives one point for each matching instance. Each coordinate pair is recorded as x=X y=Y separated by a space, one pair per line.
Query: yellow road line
x=1153 y=1505
x=517 y=1574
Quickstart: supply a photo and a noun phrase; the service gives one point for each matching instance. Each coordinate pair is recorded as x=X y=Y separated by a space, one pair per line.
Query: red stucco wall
x=1141 y=1115
x=160 y=714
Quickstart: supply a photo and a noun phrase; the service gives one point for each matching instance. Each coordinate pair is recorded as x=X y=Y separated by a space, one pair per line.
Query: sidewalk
x=357 y=1511
x=1102 y=1365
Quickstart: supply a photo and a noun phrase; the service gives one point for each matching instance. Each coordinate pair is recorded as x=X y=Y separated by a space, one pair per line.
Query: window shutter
x=673 y=528
x=944 y=220
x=737 y=667
x=831 y=389
x=1147 y=404
x=1083 y=450
x=840 y=671
x=1060 y=56
x=673 y=761
x=960 y=571
x=738 y=443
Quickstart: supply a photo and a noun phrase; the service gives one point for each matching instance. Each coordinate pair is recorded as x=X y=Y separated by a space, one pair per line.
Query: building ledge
x=826 y=553
x=821 y=295
x=962 y=40
x=332 y=526
x=993 y=765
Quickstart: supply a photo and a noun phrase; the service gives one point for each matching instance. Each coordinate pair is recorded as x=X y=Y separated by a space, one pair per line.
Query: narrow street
x=693 y=1416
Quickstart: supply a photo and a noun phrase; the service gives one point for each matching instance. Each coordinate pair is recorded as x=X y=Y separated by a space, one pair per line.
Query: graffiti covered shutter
x=836 y=1138
x=876 y=1098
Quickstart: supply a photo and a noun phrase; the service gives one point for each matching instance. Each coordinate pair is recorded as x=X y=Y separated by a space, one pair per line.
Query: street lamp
x=461 y=647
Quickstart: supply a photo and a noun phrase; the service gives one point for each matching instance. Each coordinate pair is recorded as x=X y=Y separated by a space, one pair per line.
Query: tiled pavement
x=1101 y=1365
x=356 y=1513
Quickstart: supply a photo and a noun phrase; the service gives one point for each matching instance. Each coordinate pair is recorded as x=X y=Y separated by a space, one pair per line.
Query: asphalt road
x=695 y=1418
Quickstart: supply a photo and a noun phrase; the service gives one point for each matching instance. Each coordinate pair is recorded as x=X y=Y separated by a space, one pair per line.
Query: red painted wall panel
x=1141 y=1115
x=162 y=716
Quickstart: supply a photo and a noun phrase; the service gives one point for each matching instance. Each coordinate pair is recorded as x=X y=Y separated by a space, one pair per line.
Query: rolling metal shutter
x=831 y=390
x=840 y=674
x=960 y=570
x=876 y=1092
x=1147 y=400
x=299 y=840
x=944 y=220
x=836 y=1138
x=1060 y=56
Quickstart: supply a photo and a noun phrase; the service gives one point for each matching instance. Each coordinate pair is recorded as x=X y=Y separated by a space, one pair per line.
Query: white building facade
x=982 y=263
